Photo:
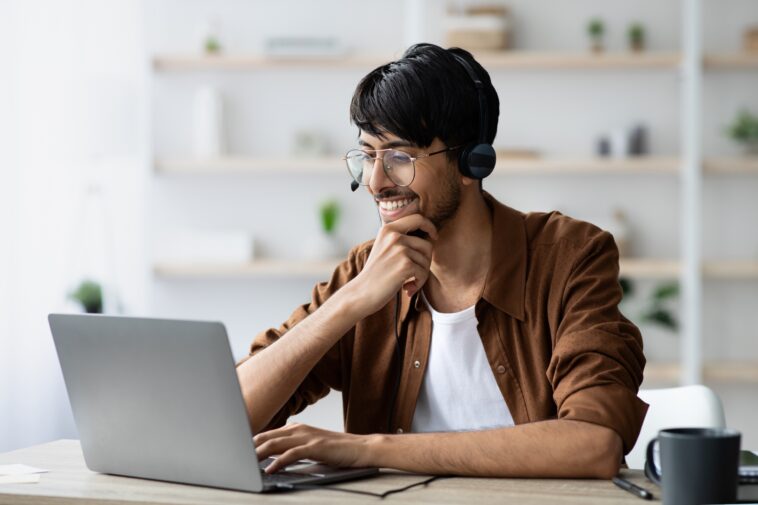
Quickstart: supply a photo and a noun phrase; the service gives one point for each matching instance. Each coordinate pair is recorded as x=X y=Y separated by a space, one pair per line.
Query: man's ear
x=468 y=181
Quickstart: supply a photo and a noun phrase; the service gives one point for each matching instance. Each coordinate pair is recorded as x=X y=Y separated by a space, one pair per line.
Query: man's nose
x=379 y=179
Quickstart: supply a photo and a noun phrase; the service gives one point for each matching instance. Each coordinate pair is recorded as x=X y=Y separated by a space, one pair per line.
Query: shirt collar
x=505 y=284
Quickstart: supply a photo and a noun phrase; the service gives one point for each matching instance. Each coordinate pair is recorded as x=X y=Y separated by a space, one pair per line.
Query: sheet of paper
x=30 y=478
x=18 y=469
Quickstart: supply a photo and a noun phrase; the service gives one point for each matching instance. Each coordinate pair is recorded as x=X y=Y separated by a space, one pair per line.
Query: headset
x=477 y=160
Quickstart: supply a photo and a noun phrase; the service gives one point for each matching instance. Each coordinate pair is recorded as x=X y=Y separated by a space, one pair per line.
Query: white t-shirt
x=459 y=392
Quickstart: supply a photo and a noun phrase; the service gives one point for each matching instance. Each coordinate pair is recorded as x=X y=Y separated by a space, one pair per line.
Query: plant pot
x=637 y=46
x=325 y=246
x=751 y=148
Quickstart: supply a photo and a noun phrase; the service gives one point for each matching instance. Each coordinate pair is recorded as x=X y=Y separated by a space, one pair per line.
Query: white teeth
x=394 y=205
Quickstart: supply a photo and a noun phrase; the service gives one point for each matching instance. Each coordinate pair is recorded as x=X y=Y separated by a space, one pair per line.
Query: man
x=467 y=338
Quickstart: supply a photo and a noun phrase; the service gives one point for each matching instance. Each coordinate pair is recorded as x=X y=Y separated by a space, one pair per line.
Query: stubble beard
x=450 y=200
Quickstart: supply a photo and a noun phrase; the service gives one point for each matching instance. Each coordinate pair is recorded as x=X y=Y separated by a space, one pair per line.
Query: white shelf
x=746 y=165
x=506 y=165
x=579 y=60
x=252 y=269
x=516 y=60
x=731 y=61
x=731 y=371
x=646 y=268
x=735 y=372
x=553 y=166
x=334 y=165
x=643 y=268
x=492 y=60
x=253 y=165
x=731 y=269
x=671 y=269
x=199 y=62
x=640 y=268
x=666 y=373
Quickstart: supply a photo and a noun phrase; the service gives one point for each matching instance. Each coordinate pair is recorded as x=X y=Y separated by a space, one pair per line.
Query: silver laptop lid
x=157 y=399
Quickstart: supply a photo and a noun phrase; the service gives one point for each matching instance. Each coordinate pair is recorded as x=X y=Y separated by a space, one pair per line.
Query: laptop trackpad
x=311 y=468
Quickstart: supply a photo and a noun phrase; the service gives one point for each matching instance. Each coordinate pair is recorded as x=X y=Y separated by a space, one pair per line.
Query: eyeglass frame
x=384 y=166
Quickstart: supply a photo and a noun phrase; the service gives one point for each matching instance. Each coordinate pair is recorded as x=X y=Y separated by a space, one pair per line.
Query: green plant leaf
x=666 y=291
x=744 y=128
x=596 y=27
x=90 y=295
x=330 y=211
x=636 y=32
x=627 y=286
x=212 y=45
x=661 y=316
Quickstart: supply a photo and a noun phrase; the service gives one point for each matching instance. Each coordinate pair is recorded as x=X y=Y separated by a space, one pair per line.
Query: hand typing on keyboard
x=298 y=441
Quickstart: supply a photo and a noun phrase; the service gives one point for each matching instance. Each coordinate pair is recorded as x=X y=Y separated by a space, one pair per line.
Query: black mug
x=698 y=465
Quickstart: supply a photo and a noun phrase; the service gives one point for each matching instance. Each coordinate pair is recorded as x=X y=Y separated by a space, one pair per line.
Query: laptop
x=159 y=399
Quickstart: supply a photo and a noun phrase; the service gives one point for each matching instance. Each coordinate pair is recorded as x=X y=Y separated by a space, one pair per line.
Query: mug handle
x=651 y=471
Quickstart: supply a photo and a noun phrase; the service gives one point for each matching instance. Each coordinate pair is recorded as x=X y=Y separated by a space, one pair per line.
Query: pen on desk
x=633 y=488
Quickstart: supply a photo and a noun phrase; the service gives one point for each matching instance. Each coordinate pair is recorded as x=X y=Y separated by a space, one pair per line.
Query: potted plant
x=211 y=42
x=636 y=36
x=744 y=130
x=660 y=308
x=596 y=32
x=326 y=245
x=212 y=45
x=90 y=295
x=330 y=212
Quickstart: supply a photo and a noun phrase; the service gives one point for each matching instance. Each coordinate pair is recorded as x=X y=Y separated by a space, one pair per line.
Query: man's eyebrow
x=389 y=145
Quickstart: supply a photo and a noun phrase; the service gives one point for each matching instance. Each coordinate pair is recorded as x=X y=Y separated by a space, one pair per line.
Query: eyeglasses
x=399 y=167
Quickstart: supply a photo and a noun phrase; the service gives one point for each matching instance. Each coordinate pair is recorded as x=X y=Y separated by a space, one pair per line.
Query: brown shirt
x=549 y=323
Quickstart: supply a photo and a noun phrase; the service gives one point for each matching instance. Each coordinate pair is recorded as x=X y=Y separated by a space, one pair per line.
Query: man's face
x=434 y=193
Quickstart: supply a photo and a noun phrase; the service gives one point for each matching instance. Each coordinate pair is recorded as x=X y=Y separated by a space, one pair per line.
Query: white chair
x=682 y=407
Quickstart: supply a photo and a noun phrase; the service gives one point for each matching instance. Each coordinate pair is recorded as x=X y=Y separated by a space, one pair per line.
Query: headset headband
x=483 y=109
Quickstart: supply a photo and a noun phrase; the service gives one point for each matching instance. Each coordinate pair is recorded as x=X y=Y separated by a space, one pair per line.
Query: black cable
x=399 y=361
x=291 y=487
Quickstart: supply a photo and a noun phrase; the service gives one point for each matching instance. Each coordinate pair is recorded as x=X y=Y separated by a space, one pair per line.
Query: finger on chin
x=410 y=287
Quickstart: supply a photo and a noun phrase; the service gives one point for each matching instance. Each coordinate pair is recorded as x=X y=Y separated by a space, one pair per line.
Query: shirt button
x=500 y=369
x=399 y=431
x=416 y=364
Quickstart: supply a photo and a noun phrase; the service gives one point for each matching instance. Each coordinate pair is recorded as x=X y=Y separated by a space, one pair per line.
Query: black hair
x=425 y=94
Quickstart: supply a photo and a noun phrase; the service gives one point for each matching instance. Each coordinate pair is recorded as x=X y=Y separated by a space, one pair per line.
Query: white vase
x=208 y=123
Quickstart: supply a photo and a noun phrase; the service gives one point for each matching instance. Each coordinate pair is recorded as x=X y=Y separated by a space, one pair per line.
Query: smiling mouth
x=395 y=204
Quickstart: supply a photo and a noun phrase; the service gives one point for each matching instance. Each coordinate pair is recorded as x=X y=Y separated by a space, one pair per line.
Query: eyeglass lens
x=398 y=166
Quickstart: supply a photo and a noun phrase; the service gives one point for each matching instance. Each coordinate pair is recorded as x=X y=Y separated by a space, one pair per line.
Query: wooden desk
x=69 y=481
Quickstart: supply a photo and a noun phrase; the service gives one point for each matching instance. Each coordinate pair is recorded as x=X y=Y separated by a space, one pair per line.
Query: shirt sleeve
x=597 y=362
x=329 y=372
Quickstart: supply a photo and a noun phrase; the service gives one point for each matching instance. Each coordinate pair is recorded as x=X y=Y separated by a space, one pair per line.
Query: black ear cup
x=477 y=161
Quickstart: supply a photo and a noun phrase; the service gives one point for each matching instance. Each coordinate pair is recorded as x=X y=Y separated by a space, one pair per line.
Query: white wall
x=7 y=152
x=557 y=113
x=76 y=73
